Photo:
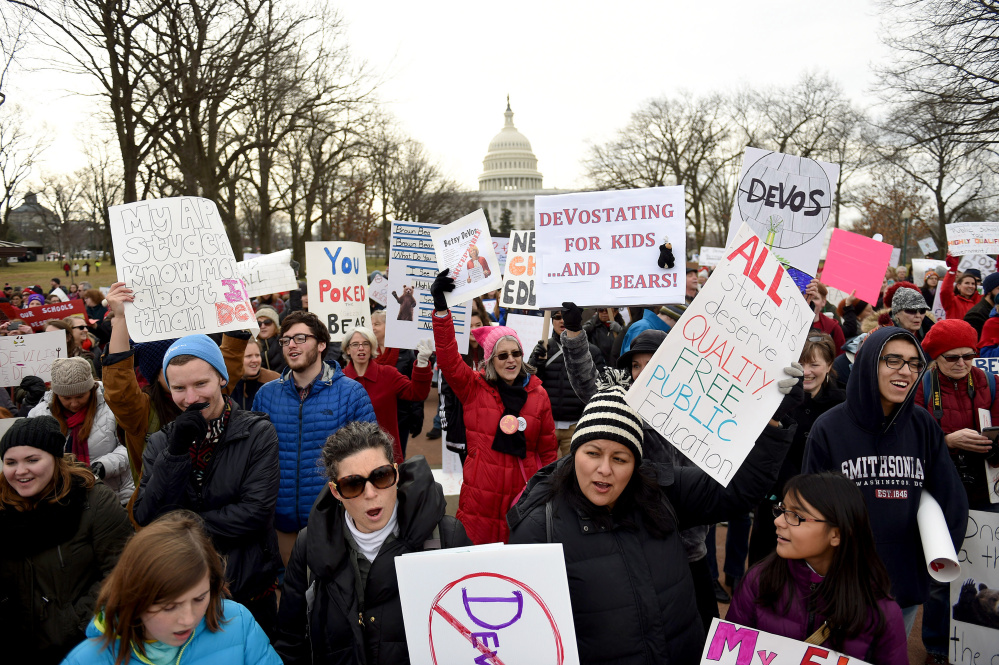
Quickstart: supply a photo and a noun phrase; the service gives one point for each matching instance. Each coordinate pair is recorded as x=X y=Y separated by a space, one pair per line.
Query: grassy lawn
x=40 y=272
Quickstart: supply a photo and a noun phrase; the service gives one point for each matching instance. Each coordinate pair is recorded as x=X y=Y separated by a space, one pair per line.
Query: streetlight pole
x=906 y=219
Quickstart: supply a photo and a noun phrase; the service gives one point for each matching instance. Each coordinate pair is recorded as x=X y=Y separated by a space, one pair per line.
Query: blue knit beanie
x=199 y=346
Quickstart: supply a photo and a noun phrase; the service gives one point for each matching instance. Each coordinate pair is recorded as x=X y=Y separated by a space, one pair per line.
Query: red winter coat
x=956 y=306
x=386 y=386
x=492 y=479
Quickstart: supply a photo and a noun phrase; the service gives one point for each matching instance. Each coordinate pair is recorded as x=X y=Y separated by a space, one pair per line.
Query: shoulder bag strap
x=819 y=636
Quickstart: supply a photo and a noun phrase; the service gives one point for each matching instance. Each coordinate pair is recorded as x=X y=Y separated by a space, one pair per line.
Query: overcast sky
x=575 y=71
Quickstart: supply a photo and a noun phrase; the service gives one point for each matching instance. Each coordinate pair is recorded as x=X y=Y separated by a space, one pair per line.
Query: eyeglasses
x=953 y=358
x=264 y=322
x=79 y=327
x=894 y=361
x=351 y=487
x=557 y=317
x=913 y=312
x=359 y=345
x=601 y=310
x=792 y=518
x=506 y=354
x=299 y=339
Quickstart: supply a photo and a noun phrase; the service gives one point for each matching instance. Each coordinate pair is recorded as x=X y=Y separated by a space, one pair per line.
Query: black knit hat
x=647 y=341
x=42 y=432
x=607 y=416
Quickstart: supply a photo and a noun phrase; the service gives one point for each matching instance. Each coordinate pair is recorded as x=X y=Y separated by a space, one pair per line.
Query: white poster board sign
x=710 y=256
x=786 y=200
x=938 y=309
x=176 y=257
x=711 y=387
x=921 y=266
x=732 y=644
x=985 y=264
x=378 y=289
x=602 y=248
x=896 y=256
x=465 y=247
x=30 y=355
x=974 y=597
x=269 y=273
x=973 y=238
x=927 y=246
x=529 y=329
x=521 y=272
x=338 y=285
x=412 y=269
x=492 y=603
x=500 y=247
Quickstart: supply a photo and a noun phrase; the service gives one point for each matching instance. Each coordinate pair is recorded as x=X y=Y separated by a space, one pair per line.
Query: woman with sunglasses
x=340 y=597
x=73 y=348
x=826 y=582
x=509 y=428
x=271 y=355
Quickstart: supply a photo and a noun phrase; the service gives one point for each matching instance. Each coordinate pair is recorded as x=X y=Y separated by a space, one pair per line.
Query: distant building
x=30 y=221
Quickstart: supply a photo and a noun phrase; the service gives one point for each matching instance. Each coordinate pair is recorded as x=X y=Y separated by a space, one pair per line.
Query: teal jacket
x=240 y=641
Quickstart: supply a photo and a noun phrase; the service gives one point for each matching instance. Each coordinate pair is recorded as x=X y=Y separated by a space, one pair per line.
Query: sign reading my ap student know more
x=710 y=388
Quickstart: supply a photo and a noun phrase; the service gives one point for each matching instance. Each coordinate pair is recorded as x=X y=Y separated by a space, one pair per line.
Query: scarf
x=203 y=453
x=510 y=437
x=43 y=527
x=79 y=444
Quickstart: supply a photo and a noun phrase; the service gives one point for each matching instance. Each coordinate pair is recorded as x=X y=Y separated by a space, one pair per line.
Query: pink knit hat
x=487 y=336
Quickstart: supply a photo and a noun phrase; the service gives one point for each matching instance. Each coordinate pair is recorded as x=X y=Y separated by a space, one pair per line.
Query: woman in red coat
x=508 y=420
x=959 y=292
x=385 y=384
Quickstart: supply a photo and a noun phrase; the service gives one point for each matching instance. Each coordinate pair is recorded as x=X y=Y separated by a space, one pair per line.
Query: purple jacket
x=886 y=648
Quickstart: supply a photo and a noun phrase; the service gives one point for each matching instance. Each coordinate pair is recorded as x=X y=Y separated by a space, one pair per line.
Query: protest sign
x=412 y=269
x=602 y=248
x=710 y=256
x=927 y=246
x=711 y=387
x=856 y=262
x=529 y=329
x=378 y=289
x=338 y=285
x=921 y=266
x=30 y=355
x=465 y=247
x=786 y=200
x=732 y=644
x=270 y=273
x=973 y=238
x=60 y=294
x=938 y=309
x=489 y=604
x=896 y=256
x=176 y=257
x=521 y=270
x=37 y=316
x=988 y=364
x=974 y=597
x=500 y=247
x=984 y=264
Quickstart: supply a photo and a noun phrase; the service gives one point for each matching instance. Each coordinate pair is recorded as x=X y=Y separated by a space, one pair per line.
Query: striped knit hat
x=608 y=416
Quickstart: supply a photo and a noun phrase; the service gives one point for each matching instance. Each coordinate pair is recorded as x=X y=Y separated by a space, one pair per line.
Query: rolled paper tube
x=938 y=548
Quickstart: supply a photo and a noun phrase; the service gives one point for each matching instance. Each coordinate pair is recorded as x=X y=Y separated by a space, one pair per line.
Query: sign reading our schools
x=710 y=388
x=602 y=248
x=338 y=285
x=521 y=271
x=974 y=597
x=732 y=644
x=973 y=238
x=37 y=316
x=175 y=255
x=30 y=355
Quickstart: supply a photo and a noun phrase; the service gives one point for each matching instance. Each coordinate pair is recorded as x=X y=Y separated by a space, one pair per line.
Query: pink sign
x=856 y=262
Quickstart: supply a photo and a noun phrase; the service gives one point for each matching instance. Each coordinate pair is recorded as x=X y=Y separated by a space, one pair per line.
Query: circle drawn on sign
x=436 y=610
x=796 y=210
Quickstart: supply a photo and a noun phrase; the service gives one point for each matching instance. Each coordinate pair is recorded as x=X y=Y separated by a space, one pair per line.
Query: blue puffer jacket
x=240 y=640
x=302 y=428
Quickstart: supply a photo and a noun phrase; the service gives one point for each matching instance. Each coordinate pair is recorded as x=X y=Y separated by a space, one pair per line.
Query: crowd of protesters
x=254 y=490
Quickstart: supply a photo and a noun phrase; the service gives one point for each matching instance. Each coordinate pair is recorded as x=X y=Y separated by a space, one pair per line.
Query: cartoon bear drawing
x=407 y=303
x=980 y=607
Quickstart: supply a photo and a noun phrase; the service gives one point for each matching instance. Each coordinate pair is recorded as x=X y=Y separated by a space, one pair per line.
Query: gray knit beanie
x=607 y=416
x=906 y=298
x=72 y=376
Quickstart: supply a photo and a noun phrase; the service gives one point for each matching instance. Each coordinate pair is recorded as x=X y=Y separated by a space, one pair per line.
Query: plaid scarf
x=203 y=452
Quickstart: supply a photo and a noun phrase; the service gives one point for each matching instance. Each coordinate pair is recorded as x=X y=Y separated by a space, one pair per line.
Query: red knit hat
x=990 y=333
x=949 y=334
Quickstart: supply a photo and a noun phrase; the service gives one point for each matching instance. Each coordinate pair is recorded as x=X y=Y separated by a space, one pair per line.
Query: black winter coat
x=272 y=357
x=236 y=501
x=979 y=314
x=335 y=631
x=566 y=405
x=632 y=594
x=603 y=337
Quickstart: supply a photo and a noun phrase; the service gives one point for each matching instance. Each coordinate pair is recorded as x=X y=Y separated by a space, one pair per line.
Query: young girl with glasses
x=825 y=583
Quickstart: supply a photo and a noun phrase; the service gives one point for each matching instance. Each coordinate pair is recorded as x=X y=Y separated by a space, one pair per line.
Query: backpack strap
x=991 y=378
x=548 y=522
x=434 y=541
x=819 y=636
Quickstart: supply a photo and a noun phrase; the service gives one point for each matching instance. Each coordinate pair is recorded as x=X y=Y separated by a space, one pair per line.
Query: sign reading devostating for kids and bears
x=973 y=238
x=30 y=355
x=488 y=604
x=602 y=248
x=732 y=644
x=711 y=387
x=412 y=268
x=338 y=285
x=974 y=597
x=175 y=256
x=465 y=248
x=521 y=271
x=269 y=273
x=786 y=200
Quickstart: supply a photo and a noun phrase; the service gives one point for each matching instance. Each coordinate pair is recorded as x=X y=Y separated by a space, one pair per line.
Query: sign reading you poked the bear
x=974 y=597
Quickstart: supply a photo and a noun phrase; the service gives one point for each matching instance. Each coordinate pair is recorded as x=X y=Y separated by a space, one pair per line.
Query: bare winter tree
x=19 y=152
x=16 y=23
x=103 y=187
x=63 y=195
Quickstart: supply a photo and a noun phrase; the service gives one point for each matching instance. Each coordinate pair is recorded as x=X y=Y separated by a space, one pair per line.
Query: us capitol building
x=510 y=178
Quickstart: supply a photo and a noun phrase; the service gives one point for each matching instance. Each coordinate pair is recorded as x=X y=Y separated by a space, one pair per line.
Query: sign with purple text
x=731 y=644
x=338 y=285
x=974 y=597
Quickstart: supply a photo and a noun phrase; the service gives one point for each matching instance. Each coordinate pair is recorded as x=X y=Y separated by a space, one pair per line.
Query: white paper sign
x=269 y=273
x=493 y=603
x=602 y=248
x=710 y=256
x=786 y=200
x=988 y=364
x=529 y=329
x=30 y=355
x=732 y=644
x=519 y=289
x=984 y=264
x=974 y=598
x=412 y=269
x=973 y=238
x=896 y=256
x=466 y=248
x=920 y=268
x=927 y=246
x=175 y=255
x=938 y=549
x=501 y=246
x=711 y=387
x=378 y=289
x=338 y=285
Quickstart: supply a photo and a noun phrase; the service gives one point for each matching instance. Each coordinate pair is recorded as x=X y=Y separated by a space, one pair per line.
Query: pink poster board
x=856 y=262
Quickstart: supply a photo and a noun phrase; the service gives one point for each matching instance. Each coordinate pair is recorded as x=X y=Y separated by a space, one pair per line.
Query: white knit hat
x=72 y=376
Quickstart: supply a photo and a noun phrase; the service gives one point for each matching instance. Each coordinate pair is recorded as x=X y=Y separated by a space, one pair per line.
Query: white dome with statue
x=510 y=163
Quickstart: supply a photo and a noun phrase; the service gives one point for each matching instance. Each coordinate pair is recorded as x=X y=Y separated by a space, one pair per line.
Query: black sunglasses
x=507 y=354
x=913 y=312
x=953 y=358
x=351 y=487
x=557 y=317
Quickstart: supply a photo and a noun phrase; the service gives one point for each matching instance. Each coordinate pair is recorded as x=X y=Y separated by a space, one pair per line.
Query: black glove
x=572 y=317
x=30 y=391
x=791 y=401
x=539 y=354
x=442 y=285
x=98 y=470
x=189 y=428
x=666 y=258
